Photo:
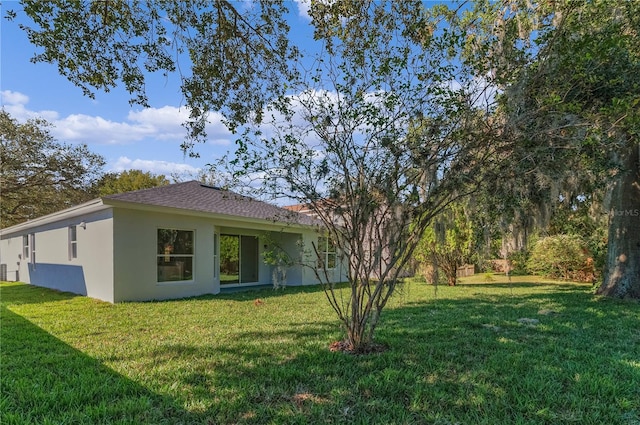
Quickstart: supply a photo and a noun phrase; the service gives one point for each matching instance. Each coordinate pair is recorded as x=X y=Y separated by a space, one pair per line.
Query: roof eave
x=71 y=212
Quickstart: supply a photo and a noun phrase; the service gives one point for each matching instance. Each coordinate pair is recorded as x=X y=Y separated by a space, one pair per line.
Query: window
x=216 y=256
x=25 y=246
x=175 y=255
x=32 y=244
x=73 y=242
x=326 y=253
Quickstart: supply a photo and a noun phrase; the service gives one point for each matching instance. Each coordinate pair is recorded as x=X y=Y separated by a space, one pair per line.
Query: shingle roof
x=195 y=196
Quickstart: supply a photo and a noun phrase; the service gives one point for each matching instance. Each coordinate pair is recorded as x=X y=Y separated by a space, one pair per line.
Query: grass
x=461 y=355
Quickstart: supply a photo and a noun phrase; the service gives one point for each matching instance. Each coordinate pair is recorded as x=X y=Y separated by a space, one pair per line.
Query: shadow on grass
x=266 y=291
x=467 y=360
x=451 y=360
x=45 y=381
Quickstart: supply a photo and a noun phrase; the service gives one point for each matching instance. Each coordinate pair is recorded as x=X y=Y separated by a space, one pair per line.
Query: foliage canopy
x=230 y=57
x=39 y=175
x=129 y=180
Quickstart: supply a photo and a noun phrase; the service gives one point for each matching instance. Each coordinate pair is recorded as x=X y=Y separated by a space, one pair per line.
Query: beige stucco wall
x=135 y=234
x=338 y=274
x=90 y=273
x=135 y=238
x=11 y=256
x=117 y=253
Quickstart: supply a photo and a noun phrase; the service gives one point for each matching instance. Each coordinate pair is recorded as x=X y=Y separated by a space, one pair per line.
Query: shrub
x=518 y=261
x=561 y=257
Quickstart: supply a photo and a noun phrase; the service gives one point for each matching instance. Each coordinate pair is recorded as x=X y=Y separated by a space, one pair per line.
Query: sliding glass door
x=238 y=259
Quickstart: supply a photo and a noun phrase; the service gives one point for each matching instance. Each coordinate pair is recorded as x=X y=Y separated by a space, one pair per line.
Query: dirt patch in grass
x=346 y=347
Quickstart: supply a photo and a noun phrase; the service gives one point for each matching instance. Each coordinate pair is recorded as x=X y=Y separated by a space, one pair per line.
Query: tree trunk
x=358 y=339
x=451 y=270
x=622 y=271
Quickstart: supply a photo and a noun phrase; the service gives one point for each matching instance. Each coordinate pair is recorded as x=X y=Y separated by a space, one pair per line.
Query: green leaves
x=125 y=181
x=568 y=73
x=447 y=242
x=237 y=57
x=561 y=257
x=39 y=175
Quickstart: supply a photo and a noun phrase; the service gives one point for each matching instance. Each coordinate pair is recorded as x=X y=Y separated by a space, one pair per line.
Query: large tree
x=377 y=133
x=383 y=131
x=570 y=75
x=39 y=175
x=230 y=56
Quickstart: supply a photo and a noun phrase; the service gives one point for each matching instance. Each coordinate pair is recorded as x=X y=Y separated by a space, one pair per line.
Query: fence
x=466 y=270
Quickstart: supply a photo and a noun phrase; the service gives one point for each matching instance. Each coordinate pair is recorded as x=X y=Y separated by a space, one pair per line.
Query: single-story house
x=174 y=241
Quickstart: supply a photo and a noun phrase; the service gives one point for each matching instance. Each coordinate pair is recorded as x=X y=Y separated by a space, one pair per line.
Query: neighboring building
x=305 y=209
x=374 y=250
x=327 y=206
x=174 y=241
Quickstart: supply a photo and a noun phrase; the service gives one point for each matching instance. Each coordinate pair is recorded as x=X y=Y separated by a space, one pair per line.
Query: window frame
x=32 y=248
x=327 y=249
x=26 y=246
x=216 y=255
x=169 y=256
x=248 y=259
x=73 y=241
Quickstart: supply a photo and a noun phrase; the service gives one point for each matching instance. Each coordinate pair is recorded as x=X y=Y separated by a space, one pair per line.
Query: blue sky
x=129 y=137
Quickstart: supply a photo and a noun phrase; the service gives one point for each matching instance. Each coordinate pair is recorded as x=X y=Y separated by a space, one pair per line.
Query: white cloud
x=163 y=123
x=154 y=166
x=97 y=130
x=481 y=90
x=305 y=5
x=166 y=124
x=14 y=98
x=15 y=104
x=303 y=8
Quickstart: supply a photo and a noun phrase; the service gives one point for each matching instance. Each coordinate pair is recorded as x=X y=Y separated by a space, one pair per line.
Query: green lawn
x=458 y=356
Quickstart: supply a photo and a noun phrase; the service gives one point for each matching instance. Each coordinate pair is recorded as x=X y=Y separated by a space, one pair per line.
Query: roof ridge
x=197 y=196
